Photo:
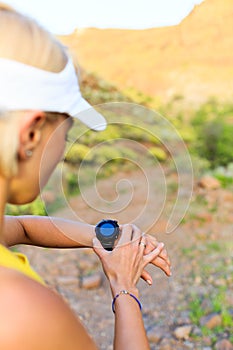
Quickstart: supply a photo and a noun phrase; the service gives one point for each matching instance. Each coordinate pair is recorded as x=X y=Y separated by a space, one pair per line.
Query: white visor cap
x=24 y=87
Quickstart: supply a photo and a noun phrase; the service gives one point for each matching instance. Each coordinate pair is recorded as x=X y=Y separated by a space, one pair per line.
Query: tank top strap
x=19 y=262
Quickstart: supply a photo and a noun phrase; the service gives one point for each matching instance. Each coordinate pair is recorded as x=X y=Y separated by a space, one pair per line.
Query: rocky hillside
x=193 y=59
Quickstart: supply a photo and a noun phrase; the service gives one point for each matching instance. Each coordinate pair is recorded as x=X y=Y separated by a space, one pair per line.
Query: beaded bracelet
x=124 y=292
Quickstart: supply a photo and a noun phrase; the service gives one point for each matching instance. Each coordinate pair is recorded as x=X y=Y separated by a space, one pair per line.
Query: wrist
x=92 y=235
x=116 y=287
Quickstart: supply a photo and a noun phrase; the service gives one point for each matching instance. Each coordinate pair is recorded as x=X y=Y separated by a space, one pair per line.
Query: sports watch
x=107 y=231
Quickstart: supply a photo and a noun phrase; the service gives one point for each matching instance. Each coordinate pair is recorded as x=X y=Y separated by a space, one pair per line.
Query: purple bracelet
x=124 y=292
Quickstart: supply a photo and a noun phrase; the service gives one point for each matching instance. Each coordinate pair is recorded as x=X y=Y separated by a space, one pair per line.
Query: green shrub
x=72 y=186
x=101 y=154
x=188 y=134
x=214 y=129
x=225 y=181
x=34 y=208
x=76 y=153
x=158 y=153
x=216 y=143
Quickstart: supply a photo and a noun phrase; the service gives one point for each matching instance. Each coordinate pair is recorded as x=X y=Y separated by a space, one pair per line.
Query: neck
x=3 y=200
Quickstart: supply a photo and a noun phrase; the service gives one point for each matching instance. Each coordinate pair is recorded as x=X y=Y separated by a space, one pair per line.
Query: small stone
x=205 y=217
x=198 y=280
x=223 y=344
x=165 y=344
x=209 y=183
x=206 y=305
x=220 y=282
x=85 y=264
x=92 y=281
x=196 y=331
x=183 y=332
x=211 y=321
x=67 y=280
x=228 y=197
x=155 y=334
x=207 y=340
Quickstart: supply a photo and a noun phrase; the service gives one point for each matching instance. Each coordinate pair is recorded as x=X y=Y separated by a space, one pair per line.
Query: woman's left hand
x=162 y=261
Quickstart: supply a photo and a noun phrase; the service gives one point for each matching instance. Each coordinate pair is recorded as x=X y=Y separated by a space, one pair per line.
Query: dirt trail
x=165 y=304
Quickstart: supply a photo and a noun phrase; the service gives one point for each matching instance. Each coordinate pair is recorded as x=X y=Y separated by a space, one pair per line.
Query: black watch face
x=107 y=232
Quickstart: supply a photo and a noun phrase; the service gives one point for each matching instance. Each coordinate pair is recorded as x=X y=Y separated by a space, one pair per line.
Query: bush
x=76 y=153
x=158 y=153
x=215 y=143
x=34 y=208
x=214 y=130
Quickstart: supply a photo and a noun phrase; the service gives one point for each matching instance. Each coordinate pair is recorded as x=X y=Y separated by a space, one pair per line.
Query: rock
x=207 y=305
x=92 y=281
x=155 y=334
x=223 y=344
x=183 y=332
x=205 y=217
x=228 y=197
x=198 y=280
x=209 y=183
x=220 y=282
x=66 y=280
x=211 y=321
x=196 y=331
x=165 y=344
x=207 y=340
x=85 y=264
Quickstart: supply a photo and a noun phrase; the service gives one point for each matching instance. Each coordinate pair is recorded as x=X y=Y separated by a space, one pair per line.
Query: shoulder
x=36 y=317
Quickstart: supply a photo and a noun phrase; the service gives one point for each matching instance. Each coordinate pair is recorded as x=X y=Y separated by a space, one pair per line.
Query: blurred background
x=178 y=62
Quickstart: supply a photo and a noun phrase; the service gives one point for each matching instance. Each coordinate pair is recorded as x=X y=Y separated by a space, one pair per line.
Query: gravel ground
x=201 y=251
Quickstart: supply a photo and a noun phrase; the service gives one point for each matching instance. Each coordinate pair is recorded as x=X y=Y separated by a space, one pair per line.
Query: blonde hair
x=24 y=40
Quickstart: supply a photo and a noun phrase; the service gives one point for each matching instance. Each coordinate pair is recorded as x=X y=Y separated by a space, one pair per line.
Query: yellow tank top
x=19 y=262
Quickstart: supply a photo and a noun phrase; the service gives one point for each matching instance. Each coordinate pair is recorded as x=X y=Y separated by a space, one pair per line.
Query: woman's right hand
x=123 y=265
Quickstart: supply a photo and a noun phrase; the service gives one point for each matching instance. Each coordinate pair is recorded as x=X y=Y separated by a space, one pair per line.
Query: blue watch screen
x=107 y=229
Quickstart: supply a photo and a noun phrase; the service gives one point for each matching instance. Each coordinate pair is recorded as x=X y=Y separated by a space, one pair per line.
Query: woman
x=39 y=94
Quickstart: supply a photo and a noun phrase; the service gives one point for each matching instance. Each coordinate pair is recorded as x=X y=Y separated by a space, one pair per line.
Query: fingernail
x=162 y=244
x=149 y=282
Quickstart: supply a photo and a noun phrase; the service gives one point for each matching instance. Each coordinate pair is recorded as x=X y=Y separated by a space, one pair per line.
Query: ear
x=30 y=131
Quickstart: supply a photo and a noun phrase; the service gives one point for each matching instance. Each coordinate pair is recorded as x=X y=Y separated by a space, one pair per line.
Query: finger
x=153 y=254
x=151 y=243
x=149 y=247
x=98 y=248
x=147 y=277
x=164 y=256
x=160 y=263
x=142 y=246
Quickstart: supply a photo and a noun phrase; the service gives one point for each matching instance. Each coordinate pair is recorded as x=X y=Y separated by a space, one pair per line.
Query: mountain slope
x=193 y=59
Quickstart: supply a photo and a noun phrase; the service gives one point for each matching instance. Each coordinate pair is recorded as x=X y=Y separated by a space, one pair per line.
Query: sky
x=63 y=16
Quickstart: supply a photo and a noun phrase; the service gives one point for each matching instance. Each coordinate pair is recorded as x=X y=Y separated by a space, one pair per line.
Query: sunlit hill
x=193 y=60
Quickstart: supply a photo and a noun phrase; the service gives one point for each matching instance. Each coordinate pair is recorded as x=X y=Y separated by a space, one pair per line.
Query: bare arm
x=34 y=317
x=44 y=231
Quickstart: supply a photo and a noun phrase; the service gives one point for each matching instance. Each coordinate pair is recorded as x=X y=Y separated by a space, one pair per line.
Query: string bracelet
x=125 y=292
